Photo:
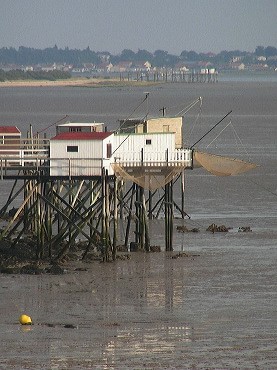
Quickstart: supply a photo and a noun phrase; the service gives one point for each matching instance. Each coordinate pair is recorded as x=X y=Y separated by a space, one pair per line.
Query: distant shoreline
x=225 y=77
x=75 y=82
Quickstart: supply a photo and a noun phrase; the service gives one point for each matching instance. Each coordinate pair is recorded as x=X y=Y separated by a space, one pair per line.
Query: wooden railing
x=36 y=159
x=182 y=157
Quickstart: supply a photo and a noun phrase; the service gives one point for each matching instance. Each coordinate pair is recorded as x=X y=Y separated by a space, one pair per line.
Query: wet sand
x=212 y=311
x=78 y=82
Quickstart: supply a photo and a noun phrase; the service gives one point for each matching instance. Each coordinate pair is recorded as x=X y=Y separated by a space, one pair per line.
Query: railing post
x=69 y=169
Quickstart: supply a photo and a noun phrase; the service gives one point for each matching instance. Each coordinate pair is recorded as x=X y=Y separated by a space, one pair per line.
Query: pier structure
x=169 y=75
x=99 y=187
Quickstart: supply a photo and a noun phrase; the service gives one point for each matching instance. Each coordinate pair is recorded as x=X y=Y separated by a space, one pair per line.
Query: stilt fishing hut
x=85 y=180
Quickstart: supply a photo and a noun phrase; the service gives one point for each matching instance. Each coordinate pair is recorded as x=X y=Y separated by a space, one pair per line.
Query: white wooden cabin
x=86 y=153
x=80 y=127
x=155 y=125
x=81 y=153
x=149 y=149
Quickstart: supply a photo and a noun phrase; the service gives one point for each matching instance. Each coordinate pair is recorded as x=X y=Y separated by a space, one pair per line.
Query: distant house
x=236 y=59
x=141 y=66
x=121 y=67
x=182 y=67
x=48 y=67
x=204 y=64
x=104 y=67
x=29 y=69
x=238 y=66
x=261 y=58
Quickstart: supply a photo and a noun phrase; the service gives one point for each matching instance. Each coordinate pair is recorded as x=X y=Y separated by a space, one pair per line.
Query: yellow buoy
x=25 y=320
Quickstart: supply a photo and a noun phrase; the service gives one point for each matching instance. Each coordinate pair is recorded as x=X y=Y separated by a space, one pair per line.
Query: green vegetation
x=159 y=58
x=18 y=74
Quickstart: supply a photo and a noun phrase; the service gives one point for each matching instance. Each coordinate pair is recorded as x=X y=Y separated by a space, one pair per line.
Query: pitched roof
x=82 y=136
x=9 y=130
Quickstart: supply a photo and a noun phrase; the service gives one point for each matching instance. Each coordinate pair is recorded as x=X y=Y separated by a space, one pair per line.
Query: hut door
x=109 y=150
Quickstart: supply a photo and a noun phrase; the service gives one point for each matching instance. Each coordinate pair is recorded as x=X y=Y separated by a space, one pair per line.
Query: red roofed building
x=9 y=141
x=82 y=136
x=81 y=153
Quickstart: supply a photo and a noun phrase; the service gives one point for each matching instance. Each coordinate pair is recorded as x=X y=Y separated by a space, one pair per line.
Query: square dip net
x=221 y=166
x=151 y=178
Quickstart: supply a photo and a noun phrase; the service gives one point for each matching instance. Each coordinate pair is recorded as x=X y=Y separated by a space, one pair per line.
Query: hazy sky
x=114 y=25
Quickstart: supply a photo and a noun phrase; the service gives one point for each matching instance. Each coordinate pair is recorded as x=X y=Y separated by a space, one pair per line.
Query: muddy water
x=216 y=310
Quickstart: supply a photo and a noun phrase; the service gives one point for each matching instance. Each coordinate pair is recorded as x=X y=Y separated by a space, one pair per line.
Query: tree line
x=159 y=58
x=18 y=74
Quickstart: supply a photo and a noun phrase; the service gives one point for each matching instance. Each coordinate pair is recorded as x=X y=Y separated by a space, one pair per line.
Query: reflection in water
x=152 y=311
x=126 y=346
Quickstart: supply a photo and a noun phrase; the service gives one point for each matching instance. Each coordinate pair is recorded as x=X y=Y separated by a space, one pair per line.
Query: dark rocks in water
x=13 y=266
x=66 y=326
x=80 y=269
x=92 y=256
x=123 y=257
x=9 y=270
x=155 y=248
x=55 y=269
x=121 y=248
x=69 y=326
x=245 y=229
x=217 y=229
x=31 y=270
x=184 y=229
x=184 y=254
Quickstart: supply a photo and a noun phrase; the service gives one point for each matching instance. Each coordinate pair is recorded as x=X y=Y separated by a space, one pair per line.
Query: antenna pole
x=211 y=129
x=147 y=103
x=163 y=110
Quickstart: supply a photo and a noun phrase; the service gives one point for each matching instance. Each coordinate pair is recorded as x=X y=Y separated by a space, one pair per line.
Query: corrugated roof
x=9 y=130
x=82 y=136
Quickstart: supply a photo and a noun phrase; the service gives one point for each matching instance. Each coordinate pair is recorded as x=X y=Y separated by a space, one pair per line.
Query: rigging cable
x=52 y=124
x=218 y=134
x=192 y=104
x=126 y=119
x=202 y=137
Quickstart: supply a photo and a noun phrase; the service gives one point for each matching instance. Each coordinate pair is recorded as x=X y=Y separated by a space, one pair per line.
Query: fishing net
x=150 y=178
x=221 y=166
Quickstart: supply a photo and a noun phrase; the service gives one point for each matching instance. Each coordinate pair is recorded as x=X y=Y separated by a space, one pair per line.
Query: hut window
x=75 y=129
x=72 y=148
x=148 y=141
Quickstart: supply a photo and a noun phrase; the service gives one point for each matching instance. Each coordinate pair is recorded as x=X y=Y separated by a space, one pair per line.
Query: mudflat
x=80 y=82
x=166 y=310
x=215 y=309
